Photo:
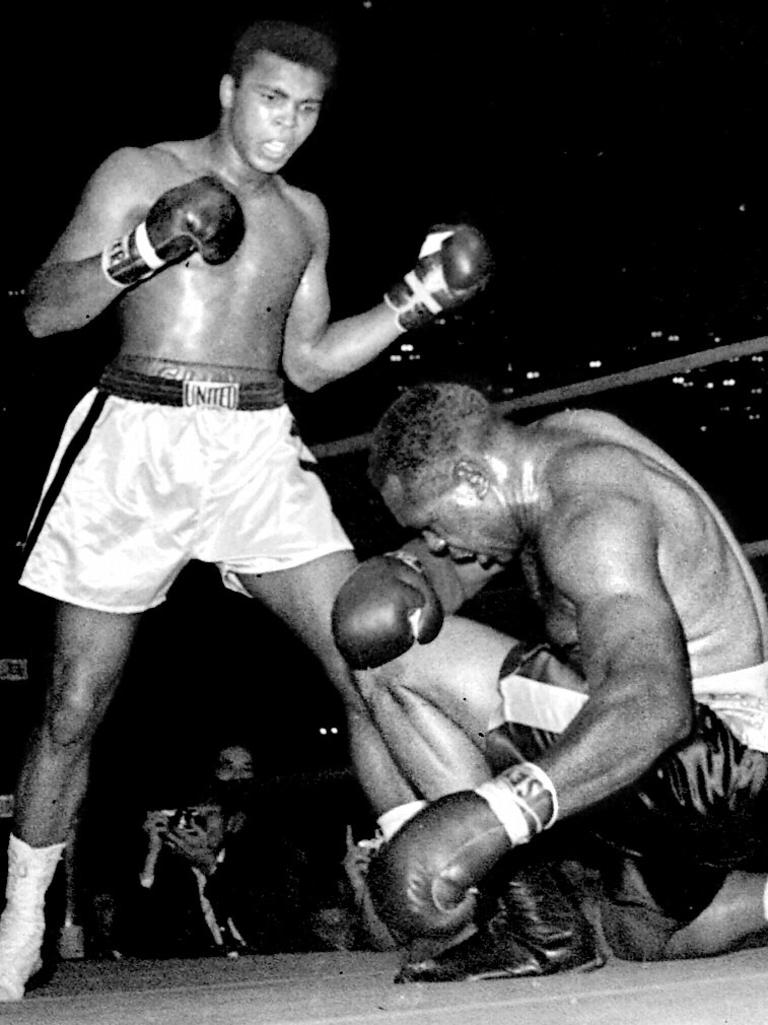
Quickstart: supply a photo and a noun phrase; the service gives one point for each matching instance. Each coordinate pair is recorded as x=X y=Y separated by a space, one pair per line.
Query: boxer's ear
x=393 y=494
x=226 y=91
x=467 y=471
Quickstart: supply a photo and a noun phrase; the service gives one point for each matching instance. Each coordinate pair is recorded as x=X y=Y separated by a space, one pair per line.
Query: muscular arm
x=70 y=288
x=633 y=655
x=316 y=352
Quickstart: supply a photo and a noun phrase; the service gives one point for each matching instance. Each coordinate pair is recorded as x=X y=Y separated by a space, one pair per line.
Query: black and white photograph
x=384 y=548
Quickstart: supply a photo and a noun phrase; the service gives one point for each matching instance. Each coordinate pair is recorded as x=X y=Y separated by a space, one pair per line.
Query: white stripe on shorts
x=539 y=705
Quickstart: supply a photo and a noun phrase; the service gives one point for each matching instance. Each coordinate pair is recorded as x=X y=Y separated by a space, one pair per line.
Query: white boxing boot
x=22 y=925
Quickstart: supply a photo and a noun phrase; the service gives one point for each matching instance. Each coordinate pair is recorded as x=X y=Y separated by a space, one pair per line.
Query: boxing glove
x=530 y=921
x=454 y=263
x=383 y=609
x=200 y=216
x=423 y=880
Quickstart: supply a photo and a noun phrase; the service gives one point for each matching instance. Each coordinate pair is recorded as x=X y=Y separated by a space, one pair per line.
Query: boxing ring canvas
x=357 y=989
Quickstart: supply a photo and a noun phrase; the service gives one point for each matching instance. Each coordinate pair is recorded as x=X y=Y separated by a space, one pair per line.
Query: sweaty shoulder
x=309 y=208
x=591 y=422
x=594 y=432
x=589 y=448
x=117 y=196
x=142 y=169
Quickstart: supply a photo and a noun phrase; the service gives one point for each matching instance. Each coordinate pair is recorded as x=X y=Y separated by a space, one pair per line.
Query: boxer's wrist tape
x=512 y=796
x=413 y=300
x=765 y=901
x=390 y=821
x=131 y=258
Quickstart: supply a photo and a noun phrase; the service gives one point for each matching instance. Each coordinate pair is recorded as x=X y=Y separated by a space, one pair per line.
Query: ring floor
x=357 y=989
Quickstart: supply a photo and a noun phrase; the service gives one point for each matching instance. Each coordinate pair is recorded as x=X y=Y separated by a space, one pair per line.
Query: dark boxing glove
x=530 y=921
x=386 y=606
x=454 y=263
x=200 y=216
x=423 y=880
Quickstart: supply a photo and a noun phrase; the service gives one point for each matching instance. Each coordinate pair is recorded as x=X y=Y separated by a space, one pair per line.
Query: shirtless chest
x=232 y=314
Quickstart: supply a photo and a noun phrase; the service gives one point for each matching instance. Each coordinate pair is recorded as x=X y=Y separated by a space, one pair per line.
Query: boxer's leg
x=303 y=597
x=696 y=823
x=417 y=724
x=736 y=918
x=639 y=927
x=434 y=703
x=90 y=651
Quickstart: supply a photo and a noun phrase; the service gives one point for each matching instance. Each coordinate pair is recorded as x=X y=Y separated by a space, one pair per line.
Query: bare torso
x=702 y=566
x=197 y=320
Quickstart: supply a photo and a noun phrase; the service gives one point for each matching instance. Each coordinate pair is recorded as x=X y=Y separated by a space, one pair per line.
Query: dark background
x=611 y=152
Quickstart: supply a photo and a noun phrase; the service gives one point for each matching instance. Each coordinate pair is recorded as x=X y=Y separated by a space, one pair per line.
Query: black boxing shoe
x=536 y=927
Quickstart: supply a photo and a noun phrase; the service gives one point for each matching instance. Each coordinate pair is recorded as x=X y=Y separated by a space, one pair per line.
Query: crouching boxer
x=641 y=721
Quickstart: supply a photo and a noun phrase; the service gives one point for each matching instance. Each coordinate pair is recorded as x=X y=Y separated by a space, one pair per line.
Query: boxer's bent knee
x=389 y=679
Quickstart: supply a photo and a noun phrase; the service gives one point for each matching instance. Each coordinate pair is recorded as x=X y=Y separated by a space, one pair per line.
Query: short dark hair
x=420 y=436
x=302 y=44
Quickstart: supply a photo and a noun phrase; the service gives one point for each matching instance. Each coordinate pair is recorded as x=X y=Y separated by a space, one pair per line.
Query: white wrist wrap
x=421 y=293
x=508 y=811
x=516 y=796
x=414 y=300
x=390 y=821
x=145 y=248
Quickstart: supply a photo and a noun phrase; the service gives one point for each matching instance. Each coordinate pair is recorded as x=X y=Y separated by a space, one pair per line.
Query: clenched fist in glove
x=423 y=880
x=200 y=216
x=386 y=606
x=455 y=262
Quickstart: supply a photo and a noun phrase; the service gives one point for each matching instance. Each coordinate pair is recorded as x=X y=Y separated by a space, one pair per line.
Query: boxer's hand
x=455 y=262
x=156 y=822
x=386 y=606
x=198 y=835
x=200 y=216
x=422 y=882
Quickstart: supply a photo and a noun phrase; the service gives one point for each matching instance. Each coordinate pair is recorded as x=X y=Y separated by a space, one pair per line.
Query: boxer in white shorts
x=215 y=268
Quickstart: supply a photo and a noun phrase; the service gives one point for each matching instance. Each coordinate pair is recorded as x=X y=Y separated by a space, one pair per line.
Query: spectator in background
x=369 y=931
x=223 y=875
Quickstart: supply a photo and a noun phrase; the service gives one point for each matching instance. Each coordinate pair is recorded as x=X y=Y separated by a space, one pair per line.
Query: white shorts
x=153 y=487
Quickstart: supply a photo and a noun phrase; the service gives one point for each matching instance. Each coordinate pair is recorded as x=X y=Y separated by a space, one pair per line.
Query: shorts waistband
x=118 y=380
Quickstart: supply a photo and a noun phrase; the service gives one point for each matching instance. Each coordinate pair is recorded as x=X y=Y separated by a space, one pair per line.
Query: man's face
x=272 y=111
x=459 y=522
